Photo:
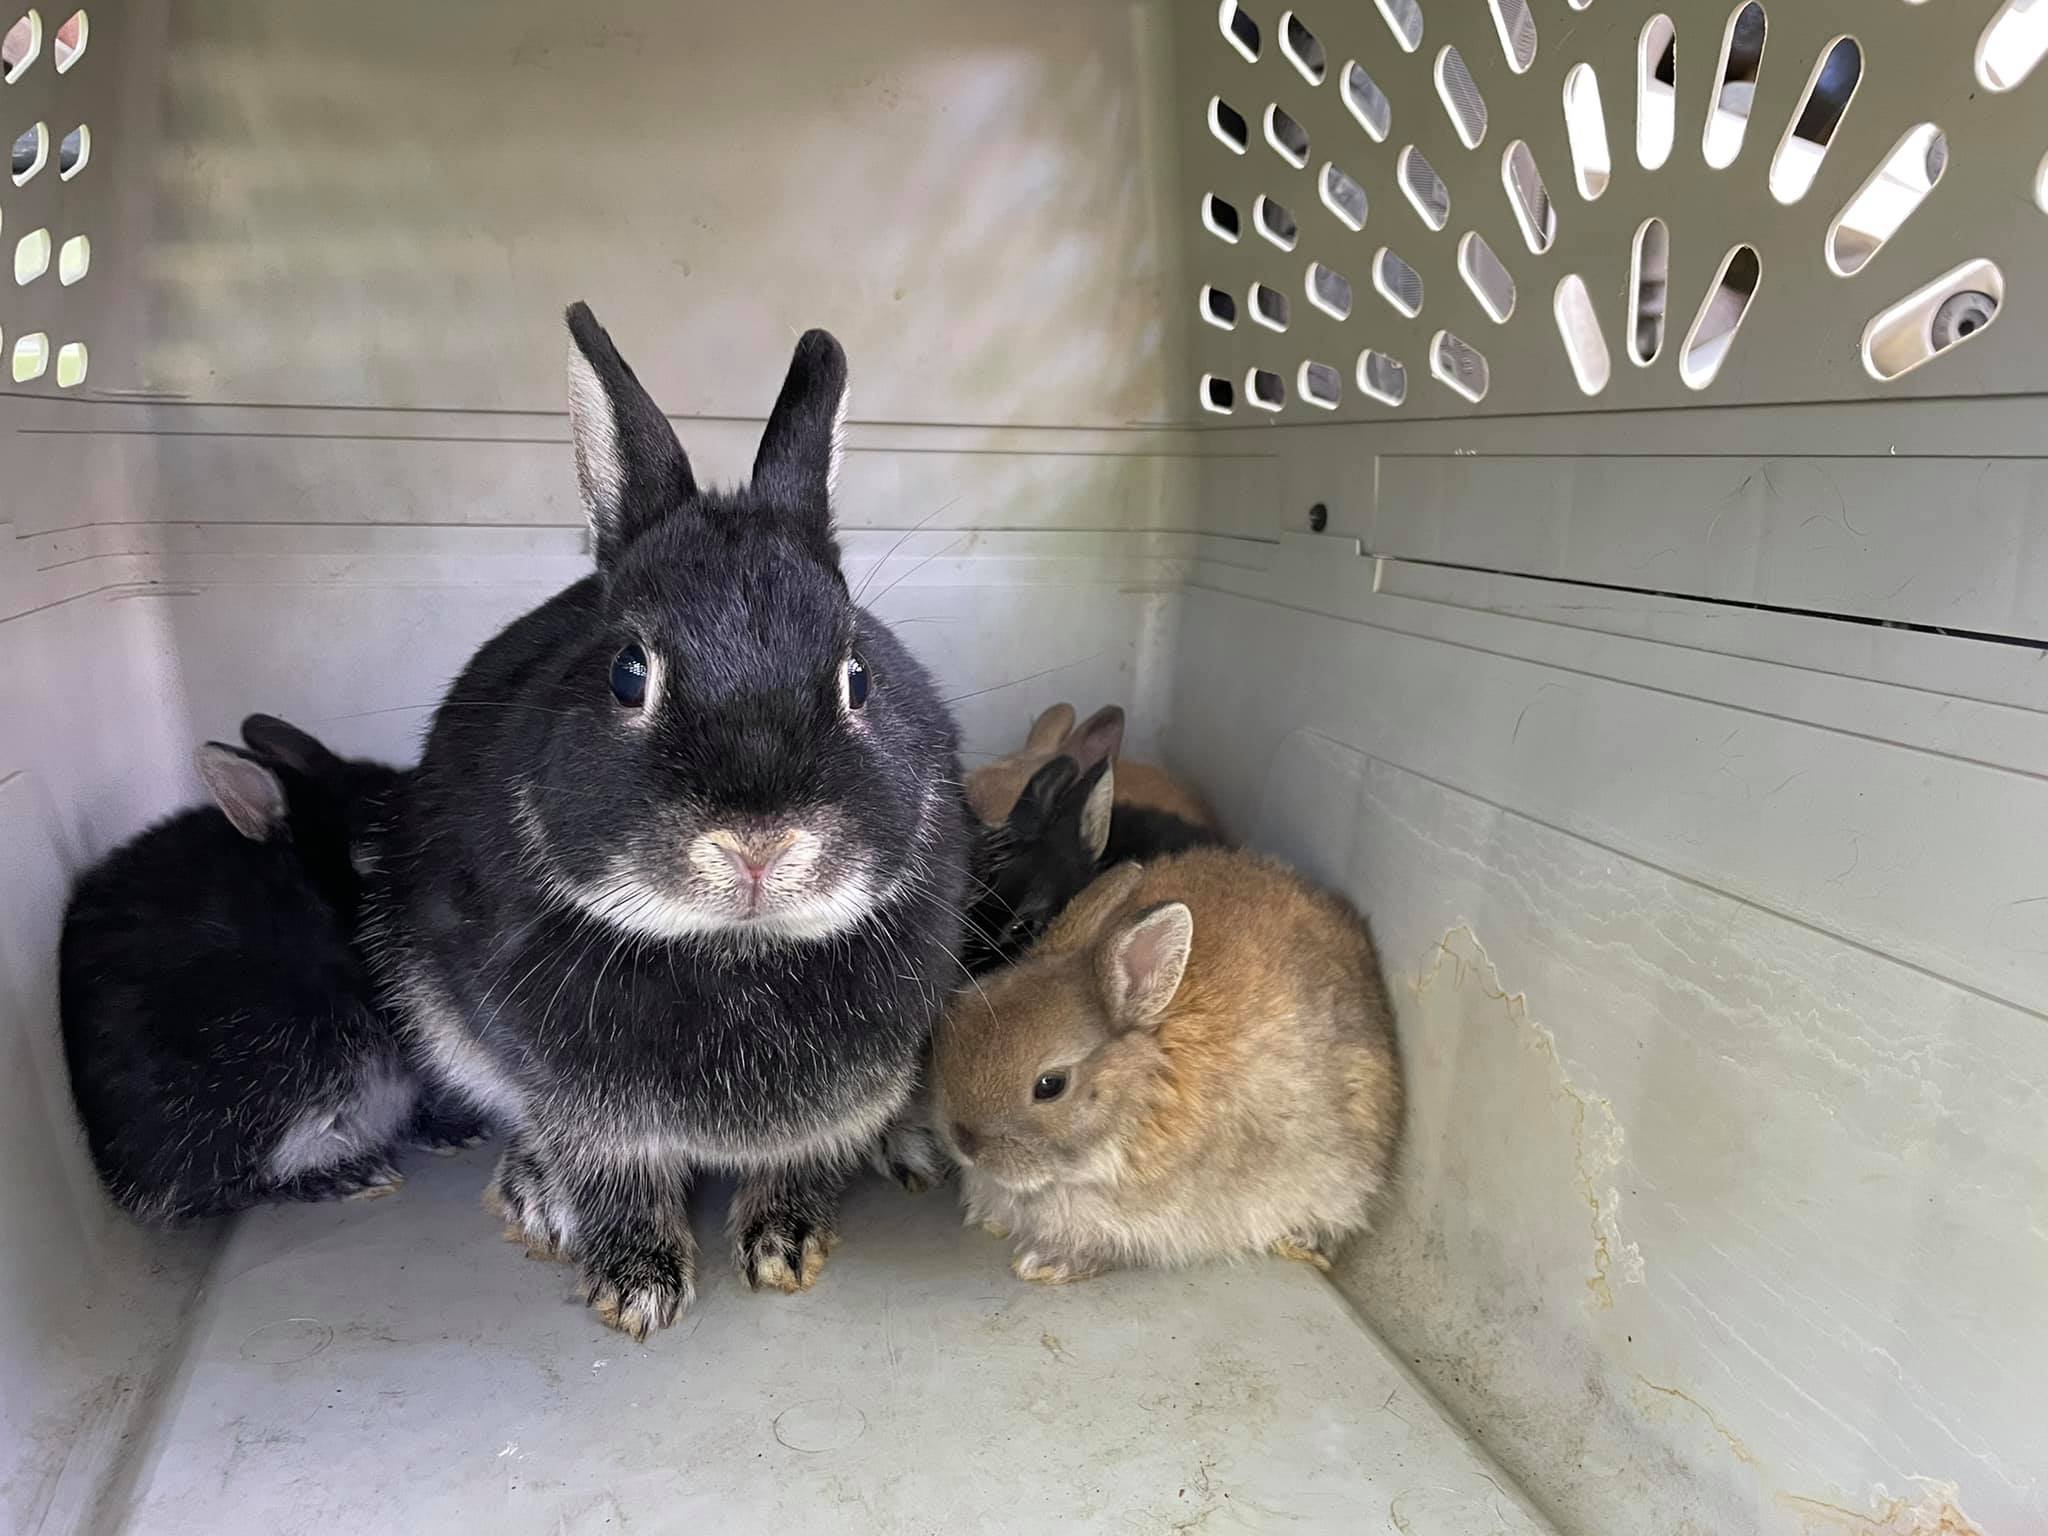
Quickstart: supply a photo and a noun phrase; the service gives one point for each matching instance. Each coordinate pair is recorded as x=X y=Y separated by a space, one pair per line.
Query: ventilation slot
x=73 y=151
x=1239 y=30
x=1586 y=130
x=1218 y=395
x=1275 y=222
x=1882 y=204
x=1461 y=98
x=1820 y=113
x=1320 y=384
x=1742 y=57
x=31 y=357
x=1720 y=317
x=1329 y=291
x=1219 y=308
x=31 y=256
x=1517 y=29
x=1649 y=276
x=1404 y=19
x=1381 y=378
x=1936 y=319
x=1656 y=92
x=1584 y=346
x=71 y=38
x=19 y=48
x=1229 y=126
x=1265 y=389
x=1424 y=188
x=1458 y=364
x=1268 y=307
x=1304 y=49
x=1486 y=277
x=31 y=152
x=1288 y=138
x=1368 y=103
x=1343 y=197
x=1399 y=284
x=74 y=260
x=1220 y=218
x=2007 y=52
x=1529 y=197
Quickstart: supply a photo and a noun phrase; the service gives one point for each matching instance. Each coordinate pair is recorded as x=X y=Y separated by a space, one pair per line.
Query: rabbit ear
x=630 y=467
x=1098 y=738
x=278 y=741
x=248 y=791
x=798 y=462
x=1041 y=797
x=1095 y=814
x=1143 y=965
x=1050 y=729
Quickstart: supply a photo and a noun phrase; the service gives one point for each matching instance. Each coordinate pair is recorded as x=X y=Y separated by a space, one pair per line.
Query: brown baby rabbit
x=993 y=788
x=1196 y=1062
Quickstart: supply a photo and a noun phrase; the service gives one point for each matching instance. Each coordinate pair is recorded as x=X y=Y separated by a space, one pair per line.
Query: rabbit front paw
x=911 y=1155
x=782 y=1226
x=363 y=1178
x=783 y=1251
x=1303 y=1250
x=640 y=1290
x=1044 y=1267
x=517 y=1194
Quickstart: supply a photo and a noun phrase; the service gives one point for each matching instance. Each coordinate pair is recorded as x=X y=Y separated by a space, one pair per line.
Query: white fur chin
x=639 y=909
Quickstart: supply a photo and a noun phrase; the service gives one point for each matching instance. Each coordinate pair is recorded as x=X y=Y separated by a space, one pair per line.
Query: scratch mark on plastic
x=1742 y=1452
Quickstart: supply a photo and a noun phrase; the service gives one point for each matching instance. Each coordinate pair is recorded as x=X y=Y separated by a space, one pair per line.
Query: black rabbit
x=224 y=1038
x=1038 y=860
x=679 y=886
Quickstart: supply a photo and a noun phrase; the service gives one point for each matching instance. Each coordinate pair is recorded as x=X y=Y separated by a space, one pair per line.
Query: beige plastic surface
x=1801 y=337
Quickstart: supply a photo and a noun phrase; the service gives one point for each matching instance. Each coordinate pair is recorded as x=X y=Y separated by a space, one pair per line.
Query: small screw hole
x=1318 y=518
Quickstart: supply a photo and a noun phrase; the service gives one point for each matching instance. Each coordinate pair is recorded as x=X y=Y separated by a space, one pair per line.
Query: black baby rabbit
x=1038 y=860
x=224 y=1039
x=679 y=887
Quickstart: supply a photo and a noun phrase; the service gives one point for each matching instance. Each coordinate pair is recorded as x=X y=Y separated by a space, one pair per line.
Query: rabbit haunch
x=680 y=883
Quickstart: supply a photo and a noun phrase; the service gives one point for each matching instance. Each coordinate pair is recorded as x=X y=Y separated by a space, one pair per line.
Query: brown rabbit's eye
x=1050 y=1085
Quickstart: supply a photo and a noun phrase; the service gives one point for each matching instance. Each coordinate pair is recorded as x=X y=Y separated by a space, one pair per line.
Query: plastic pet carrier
x=1563 y=473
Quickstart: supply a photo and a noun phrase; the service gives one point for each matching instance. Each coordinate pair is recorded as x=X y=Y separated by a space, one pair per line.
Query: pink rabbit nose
x=752 y=856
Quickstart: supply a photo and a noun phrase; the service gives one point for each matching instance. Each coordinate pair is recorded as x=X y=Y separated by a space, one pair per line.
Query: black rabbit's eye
x=853 y=683
x=1050 y=1085
x=629 y=677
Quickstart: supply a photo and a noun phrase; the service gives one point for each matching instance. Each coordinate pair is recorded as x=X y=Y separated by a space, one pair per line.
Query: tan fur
x=1143 y=786
x=993 y=789
x=1259 y=1113
x=774 y=1272
x=1050 y=729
